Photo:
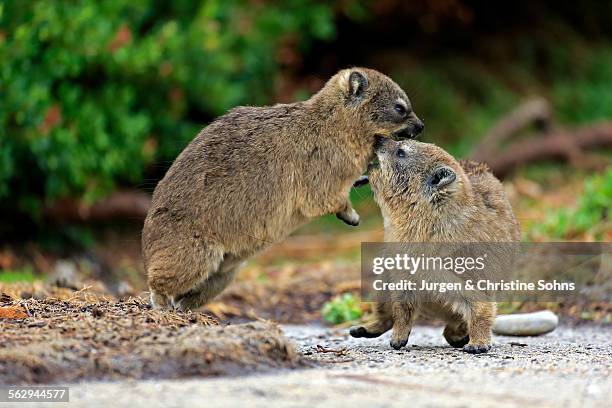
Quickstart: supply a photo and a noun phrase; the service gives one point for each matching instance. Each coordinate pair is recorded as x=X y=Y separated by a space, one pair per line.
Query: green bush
x=341 y=309
x=92 y=92
x=592 y=210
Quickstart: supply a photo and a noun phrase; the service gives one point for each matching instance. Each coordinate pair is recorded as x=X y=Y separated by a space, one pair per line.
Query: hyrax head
x=380 y=104
x=415 y=177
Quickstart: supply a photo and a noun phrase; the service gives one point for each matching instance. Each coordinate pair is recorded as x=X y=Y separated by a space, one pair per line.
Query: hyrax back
x=255 y=174
x=425 y=195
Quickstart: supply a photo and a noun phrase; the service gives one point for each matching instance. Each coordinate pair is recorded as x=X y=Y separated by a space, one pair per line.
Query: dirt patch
x=75 y=340
x=287 y=294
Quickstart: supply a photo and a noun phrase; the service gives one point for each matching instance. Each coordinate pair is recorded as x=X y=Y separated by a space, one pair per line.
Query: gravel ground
x=567 y=368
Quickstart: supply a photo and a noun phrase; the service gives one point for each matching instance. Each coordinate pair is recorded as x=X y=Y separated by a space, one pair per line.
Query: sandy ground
x=570 y=367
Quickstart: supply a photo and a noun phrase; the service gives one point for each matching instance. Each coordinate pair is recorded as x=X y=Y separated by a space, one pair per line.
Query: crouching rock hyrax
x=425 y=195
x=256 y=173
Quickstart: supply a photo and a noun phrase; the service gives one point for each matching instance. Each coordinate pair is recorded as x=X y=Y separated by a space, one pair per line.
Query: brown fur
x=257 y=173
x=472 y=207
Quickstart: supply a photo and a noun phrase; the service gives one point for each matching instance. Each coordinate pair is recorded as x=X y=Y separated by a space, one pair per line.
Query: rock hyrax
x=257 y=173
x=425 y=195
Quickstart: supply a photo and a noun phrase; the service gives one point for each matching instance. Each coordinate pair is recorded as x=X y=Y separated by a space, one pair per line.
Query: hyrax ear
x=441 y=177
x=357 y=84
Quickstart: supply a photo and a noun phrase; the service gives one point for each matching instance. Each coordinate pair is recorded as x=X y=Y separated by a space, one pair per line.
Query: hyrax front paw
x=349 y=216
x=398 y=343
x=474 y=348
x=399 y=338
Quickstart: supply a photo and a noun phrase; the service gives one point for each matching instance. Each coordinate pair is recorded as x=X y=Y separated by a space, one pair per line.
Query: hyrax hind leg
x=456 y=332
x=381 y=322
x=480 y=322
x=178 y=267
x=206 y=290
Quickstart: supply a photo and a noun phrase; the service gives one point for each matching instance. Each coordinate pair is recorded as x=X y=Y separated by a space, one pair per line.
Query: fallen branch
x=122 y=204
x=536 y=111
x=559 y=144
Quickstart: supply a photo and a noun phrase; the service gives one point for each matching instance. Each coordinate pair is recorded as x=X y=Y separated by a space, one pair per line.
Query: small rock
x=525 y=324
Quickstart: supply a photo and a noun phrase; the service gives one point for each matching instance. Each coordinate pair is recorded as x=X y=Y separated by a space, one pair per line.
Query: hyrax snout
x=255 y=174
x=426 y=196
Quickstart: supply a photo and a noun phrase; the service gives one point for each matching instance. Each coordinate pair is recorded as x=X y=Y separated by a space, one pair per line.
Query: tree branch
x=533 y=111
x=122 y=204
x=559 y=144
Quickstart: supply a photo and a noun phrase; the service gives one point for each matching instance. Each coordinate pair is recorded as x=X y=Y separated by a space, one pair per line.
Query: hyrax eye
x=399 y=108
x=401 y=153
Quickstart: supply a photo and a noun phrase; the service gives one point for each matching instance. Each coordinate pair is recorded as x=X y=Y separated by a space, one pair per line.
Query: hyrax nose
x=418 y=126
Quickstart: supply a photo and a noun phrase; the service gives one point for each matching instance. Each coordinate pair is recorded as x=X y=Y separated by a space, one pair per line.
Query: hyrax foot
x=195 y=298
x=159 y=301
x=456 y=334
x=361 y=331
x=474 y=348
x=349 y=216
x=458 y=343
x=380 y=324
x=398 y=343
x=399 y=338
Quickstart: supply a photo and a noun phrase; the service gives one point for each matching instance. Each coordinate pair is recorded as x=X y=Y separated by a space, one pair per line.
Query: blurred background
x=98 y=98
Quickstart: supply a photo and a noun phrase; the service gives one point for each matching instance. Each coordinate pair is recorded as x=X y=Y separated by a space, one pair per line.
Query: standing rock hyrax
x=426 y=196
x=257 y=173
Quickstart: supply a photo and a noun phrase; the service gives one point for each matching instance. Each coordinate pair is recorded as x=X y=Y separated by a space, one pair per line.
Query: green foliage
x=582 y=95
x=92 y=92
x=593 y=208
x=10 y=276
x=341 y=309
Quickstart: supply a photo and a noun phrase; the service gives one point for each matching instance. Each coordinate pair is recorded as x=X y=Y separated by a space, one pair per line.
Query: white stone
x=525 y=324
